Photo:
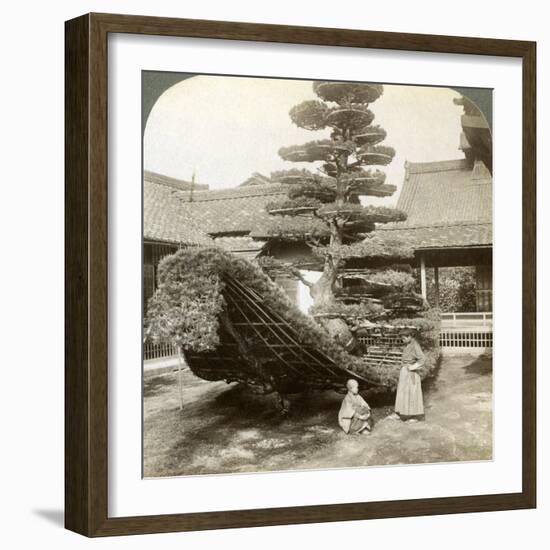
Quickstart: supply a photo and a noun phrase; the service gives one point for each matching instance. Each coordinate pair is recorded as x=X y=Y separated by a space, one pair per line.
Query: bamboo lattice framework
x=257 y=345
x=260 y=348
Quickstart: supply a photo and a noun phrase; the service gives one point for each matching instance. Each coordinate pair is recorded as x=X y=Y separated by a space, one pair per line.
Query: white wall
x=31 y=215
x=305 y=301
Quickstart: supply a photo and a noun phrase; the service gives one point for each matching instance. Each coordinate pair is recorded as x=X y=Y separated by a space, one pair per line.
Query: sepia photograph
x=317 y=274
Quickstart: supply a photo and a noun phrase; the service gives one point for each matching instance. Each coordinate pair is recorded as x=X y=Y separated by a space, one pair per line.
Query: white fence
x=153 y=351
x=474 y=320
x=466 y=330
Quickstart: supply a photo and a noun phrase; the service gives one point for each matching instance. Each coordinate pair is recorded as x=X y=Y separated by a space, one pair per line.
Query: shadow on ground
x=226 y=428
x=57 y=517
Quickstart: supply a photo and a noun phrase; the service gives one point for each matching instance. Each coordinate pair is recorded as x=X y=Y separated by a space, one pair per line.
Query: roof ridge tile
x=252 y=191
x=437 y=166
x=174 y=183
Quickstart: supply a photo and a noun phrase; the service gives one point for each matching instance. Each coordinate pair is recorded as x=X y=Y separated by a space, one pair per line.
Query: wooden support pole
x=423 y=287
x=436 y=284
x=180 y=375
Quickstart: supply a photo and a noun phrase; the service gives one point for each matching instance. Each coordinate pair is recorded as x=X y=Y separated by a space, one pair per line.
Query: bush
x=457 y=289
x=186 y=306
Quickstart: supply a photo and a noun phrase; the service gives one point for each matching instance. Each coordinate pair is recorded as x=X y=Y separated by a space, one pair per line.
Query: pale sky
x=225 y=128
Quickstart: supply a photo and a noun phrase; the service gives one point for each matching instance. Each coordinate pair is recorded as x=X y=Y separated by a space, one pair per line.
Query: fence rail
x=466 y=330
x=386 y=341
x=474 y=320
x=153 y=351
x=465 y=339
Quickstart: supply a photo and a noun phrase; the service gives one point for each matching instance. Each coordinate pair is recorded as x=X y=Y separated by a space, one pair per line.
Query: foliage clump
x=367 y=310
x=375 y=247
x=457 y=289
x=185 y=307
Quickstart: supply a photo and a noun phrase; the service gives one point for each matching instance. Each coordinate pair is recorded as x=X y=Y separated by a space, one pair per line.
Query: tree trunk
x=341 y=333
x=322 y=293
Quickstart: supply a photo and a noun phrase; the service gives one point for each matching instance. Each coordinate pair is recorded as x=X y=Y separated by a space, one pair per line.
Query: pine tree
x=324 y=207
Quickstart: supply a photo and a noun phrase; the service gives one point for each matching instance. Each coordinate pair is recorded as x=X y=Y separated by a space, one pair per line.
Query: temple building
x=449 y=221
x=449 y=224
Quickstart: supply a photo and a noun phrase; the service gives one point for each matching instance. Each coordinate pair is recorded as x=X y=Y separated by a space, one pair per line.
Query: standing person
x=354 y=412
x=409 y=403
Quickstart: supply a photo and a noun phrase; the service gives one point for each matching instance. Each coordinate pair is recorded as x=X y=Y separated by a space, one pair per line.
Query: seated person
x=354 y=413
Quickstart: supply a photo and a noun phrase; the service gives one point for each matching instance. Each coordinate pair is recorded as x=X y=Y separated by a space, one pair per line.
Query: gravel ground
x=225 y=428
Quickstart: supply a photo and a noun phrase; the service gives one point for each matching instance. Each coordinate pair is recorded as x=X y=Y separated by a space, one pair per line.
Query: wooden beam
x=436 y=284
x=423 y=286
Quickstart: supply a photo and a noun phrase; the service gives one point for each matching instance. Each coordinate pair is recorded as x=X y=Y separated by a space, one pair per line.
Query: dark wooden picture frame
x=86 y=267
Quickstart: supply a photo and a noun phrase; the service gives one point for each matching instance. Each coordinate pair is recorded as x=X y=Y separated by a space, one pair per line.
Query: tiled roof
x=445 y=192
x=163 y=219
x=448 y=204
x=172 y=182
x=236 y=210
x=445 y=235
x=175 y=213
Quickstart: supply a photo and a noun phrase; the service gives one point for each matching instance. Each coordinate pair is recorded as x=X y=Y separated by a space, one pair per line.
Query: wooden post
x=423 y=287
x=180 y=375
x=436 y=284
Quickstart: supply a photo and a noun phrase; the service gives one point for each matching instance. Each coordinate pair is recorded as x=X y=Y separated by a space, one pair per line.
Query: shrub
x=186 y=306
